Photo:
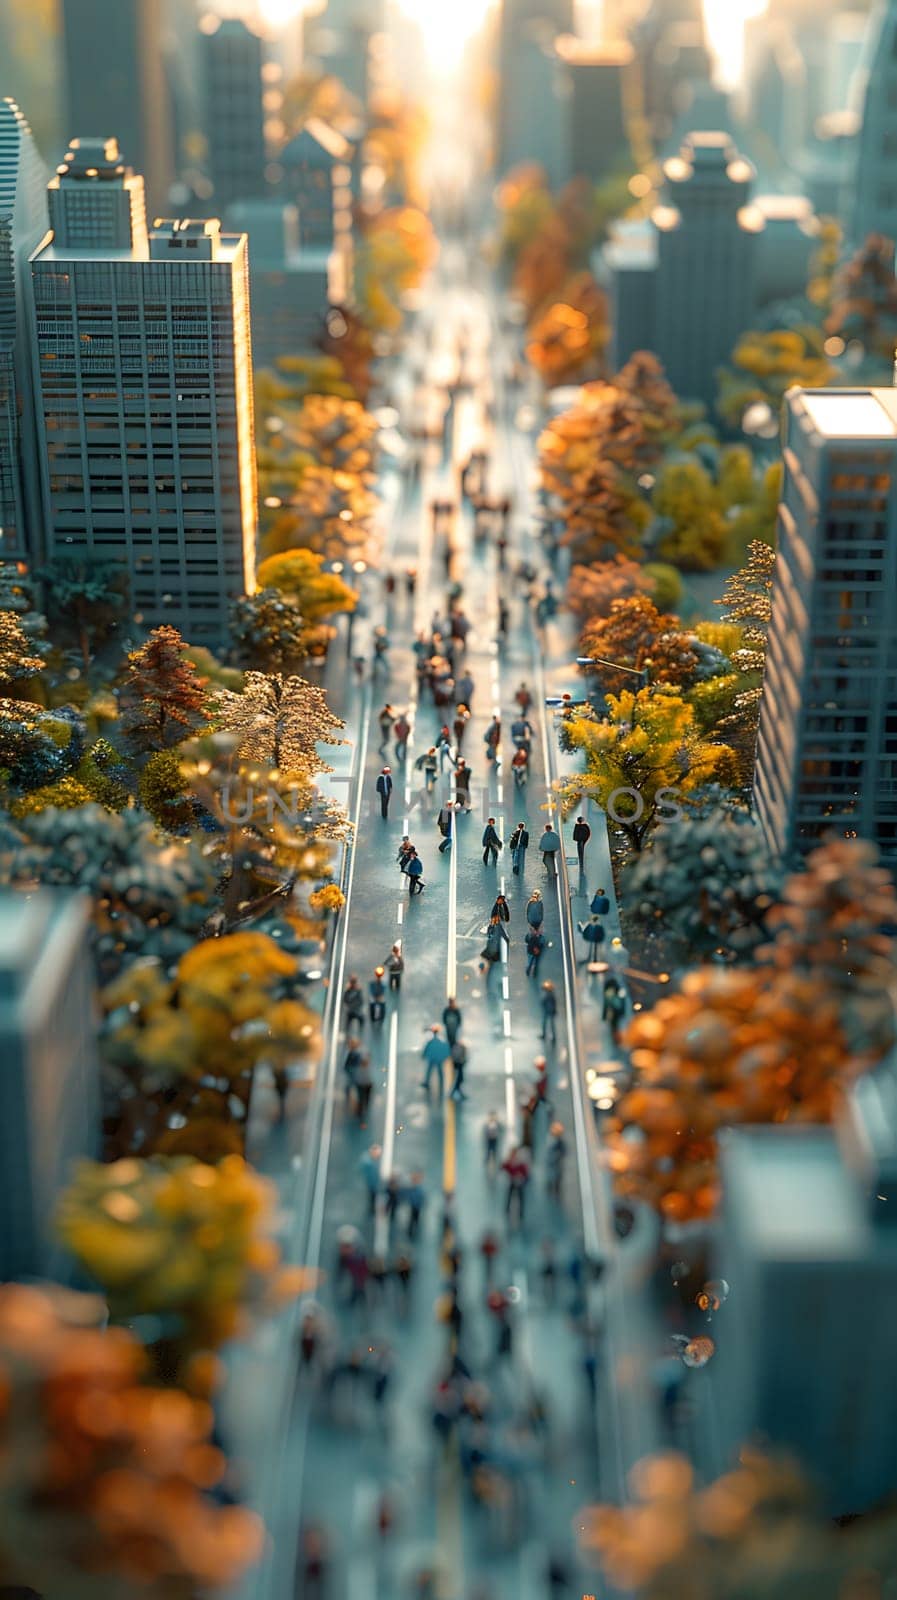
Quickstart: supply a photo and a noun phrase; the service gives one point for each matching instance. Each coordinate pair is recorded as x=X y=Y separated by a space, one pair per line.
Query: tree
x=755 y=519
x=29 y=757
x=336 y=433
x=162 y=790
x=603 y=516
x=693 y=529
x=279 y=721
x=747 y=600
x=591 y=590
x=267 y=629
x=17 y=659
x=103 y=1477
x=568 y=339
x=89 y=596
x=175 y=1238
x=864 y=301
x=766 y=364
x=647 y=744
x=348 y=340
x=626 y=636
x=163 y=698
x=328 y=512
x=298 y=574
x=704 y=884
x=397 y=248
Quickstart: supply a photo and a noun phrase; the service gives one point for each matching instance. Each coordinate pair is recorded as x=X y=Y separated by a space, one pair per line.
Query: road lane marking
x=387 y=1158
x=400 y=912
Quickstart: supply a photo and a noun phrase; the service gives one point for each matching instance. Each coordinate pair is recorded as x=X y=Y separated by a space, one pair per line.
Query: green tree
x=267 y=629
x=163 y=698
x=91 y=597
x=692 y=527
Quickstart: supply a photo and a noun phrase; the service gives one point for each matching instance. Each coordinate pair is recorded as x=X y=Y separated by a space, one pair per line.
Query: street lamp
x=600 y=661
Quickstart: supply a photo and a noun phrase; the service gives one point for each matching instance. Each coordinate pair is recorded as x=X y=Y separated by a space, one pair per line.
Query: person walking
x=369 y=1167
x=451 y=1019
x=504 y=618
x=395 y=966
x=555 y=1156
x=535 y=910
x=434 y=1054
x=462 y=784
x=381 y=649
x=350 y=1066
x=523 y=698
x=549 y=1011
x=491 y=844
x=364 y=1088
x=465 y=687
x=402 y=730
x=491 y=1140
x=459 y=1062
x=415 y=1199
x=492 y=740
x=428 y=764
x=377 y=993
x=406 y=851
x=459 y=726
x=386 y=718
x=353 y=1003
x=522 y=734
x=444 y=746
x=593 y=934
x=415 y=874
x=536 y=944
x=491 y=951
x=444 y=822
x=520 y=768
x=519 y=844
x=501 y=909
x=517 y=1170
x=600 y=905
x=582 y=833
x=384 y=790
x=550 y=844
x=490 y=1246
x=613 y=1007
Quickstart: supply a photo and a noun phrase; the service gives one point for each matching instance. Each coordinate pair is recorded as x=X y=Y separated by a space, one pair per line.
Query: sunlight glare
x=725 y=32
x=446 y=25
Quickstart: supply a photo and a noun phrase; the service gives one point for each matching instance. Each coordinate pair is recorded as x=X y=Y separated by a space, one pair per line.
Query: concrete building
x=682 y=284
x=144 y=397
x=805 y=1358
x=827 y=750
x=528 y=76
x=232 y=57
x=49 y=1087
x=113 y=58
x=785 y=247
x=602 y=95
x=825 y=166
x=875 y=179
x=317 y=179
x=291 y=286
x=23 y=223
x=671 y=44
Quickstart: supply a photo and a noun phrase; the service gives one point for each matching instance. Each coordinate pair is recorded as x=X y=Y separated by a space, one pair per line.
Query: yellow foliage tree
x=298 y=573
x=765 y=365
x=324 y=510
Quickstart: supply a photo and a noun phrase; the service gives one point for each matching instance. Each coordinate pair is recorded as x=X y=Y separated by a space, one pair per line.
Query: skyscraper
x=827 y=750
x=292 y=286
x=49 y=1088
x=232 y=62
x=875 y=186
x=527 y=31
x=144 y=399
x=113 y=58
x=602 y=96
x=23 y=223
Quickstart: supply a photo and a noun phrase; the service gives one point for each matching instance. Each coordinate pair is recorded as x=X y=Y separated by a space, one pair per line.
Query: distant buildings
x=23 y=224
x=875 y=179
x=602 y=93
x=291 y=287
x=683 y=282
x=317 y=178
x=671 y=45
x=827 y=750
x=232 y=57
x=144 y=395
x=114 y=68
x=529 y=76
x=49 y=1087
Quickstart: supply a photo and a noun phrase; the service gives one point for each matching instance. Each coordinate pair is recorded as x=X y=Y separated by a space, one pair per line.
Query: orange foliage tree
x=568 y=339
x=592 y=590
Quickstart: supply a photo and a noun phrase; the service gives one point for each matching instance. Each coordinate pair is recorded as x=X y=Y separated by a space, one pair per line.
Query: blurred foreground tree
x=765 y=365
x=298 y=573
x=864 y=301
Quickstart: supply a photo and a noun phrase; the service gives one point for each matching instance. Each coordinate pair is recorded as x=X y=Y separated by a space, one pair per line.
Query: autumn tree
x=626 y=637
x=104 y=1477
x=337 y=433
x=747 y=600
x=18 y=660
x=163 y=698
x=864 y=301
x=397 y=248
x=603 y=516
x=279 y=721
x=591 y=590
x=299 y=575
x=325 y=511
x=648 y=744
x=766 y=364
x=347 y=340
x=568 y=338
x=691 y=531
x=267 y=629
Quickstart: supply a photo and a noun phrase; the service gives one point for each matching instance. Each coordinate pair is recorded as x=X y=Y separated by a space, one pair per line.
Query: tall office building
x=528 y=77
x=49 y=1087
x=292 y=286
x=682 y=283
x=827 y=750
x=875 y=181
x=144 y=399
x=23 y=223
x=232 y=62
x=320 y=167
x=602 y=97
x=113 y=58
x=671 y=44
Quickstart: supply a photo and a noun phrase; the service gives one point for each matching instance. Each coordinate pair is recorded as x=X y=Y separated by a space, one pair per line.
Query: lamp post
x=600 y=661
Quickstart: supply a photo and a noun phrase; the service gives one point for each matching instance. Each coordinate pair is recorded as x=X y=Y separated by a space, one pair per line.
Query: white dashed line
x=400 y=913
x=506 y=1019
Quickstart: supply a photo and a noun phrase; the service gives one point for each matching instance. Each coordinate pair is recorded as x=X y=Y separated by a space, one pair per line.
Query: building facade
x=291 y=287
x=827 y=749
x=23 y=224
x=602 y=97
x=875 y=179
x=145 y=411
x=528 y=76
x=232 y=63
x=49 y=1088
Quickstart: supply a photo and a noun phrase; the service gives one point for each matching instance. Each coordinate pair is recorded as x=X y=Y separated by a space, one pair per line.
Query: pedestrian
x=358 y=668
x=386 y=718
x=434 y=1053
x=520 y=768
x=406 y=851
x=459 y=1062
x=491 y=951
x=613 y=1007
x=313 y=1567
x=501 y=909
x=462 y=784
x=395 y=964
x=364 y=1088
x=392 y=1194
x=489 y=1248
x=540 y=1083
x=492 y=740
x=353 y=1002
x=549 y=844
x=350 y=1066
x=384 y=790
x=428 y=764
x=402 y=730
x=410 y=581
x=377 y=995
x=415 y=1198
x=528 y=1105
x=549 y=1011
x=536 y=944
x=582 y=833
x=491 y=844
x=593 y=934
x=504 y=617
x=403 y=1268
x=491 y=1138
x=600 y=905
x=535 y=909
x=465 y=688
x=519 y=844
x=523 y=698
x=555 y=1156
x=444 y=823
x=381 y=658
x=369 y=1167
x=522 y=734
x=414 y=871
x=517 y=1169
x=459 y=726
